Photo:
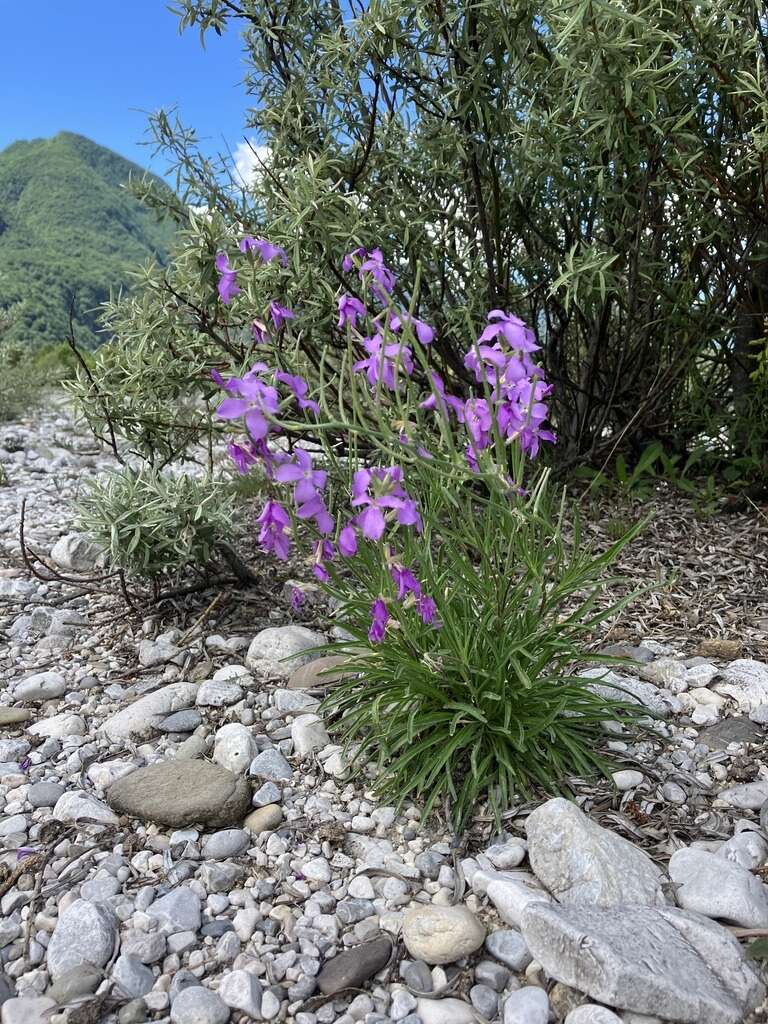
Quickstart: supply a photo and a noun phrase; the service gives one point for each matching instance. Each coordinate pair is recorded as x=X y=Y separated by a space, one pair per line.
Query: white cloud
x=249 y=158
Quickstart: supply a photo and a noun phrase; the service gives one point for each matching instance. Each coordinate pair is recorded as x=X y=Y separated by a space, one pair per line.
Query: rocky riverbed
x=181 y=839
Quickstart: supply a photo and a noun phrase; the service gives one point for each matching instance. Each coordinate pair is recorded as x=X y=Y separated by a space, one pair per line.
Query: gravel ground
x=182 y=840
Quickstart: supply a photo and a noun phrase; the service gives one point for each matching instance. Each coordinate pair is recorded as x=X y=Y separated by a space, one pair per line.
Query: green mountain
x=68 y=227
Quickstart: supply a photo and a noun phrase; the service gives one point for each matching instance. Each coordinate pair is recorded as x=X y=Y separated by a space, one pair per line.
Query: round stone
x=441 y=935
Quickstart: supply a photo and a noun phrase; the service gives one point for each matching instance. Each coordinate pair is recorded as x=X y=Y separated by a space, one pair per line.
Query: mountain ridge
x=68 y=228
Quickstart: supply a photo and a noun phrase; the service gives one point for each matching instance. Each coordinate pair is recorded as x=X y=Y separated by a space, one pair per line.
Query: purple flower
x=266 y=250
x=299 y=387
x=514 y=331
x=257 y=401
x=383 y=277
x=348 y=262
x=424 y=332
x=350 y=309
x=427 y=609
x=227 y=286
x=24 y=851
x=348 y=541
x=259 y=332
x=405 y=581
x=379 y=620
x=274 y=536
x=280 y=314
x=440 y=398
x=297 y=598
x=324 y=551
x=315 y=509
x=308 y=482
x=384 y=361
x=479 y=420
x=242 y=458
x=388 y=494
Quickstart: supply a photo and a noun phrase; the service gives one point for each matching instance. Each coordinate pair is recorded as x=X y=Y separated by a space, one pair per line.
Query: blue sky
x=94 y=66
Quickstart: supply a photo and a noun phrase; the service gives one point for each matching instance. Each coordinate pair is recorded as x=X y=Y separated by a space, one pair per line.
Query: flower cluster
x=512 y=403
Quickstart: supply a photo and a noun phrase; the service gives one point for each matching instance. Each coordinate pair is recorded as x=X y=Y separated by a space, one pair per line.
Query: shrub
x=154 y=524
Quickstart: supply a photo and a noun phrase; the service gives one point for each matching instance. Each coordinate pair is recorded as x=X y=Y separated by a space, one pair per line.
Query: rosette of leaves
x=154 y=524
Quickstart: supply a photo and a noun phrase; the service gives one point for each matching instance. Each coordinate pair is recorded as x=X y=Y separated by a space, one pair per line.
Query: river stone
x=76 y=552
x=445 y=1011
x=241 y=990
x=280 y=650
x=79 y=981
x=320 y=674
x=198 y=1005
x=177 y=911
x=85 y=933
x=142 y=717
x=218 y=693
x=181 y=721
x=79 y=804
x=28 y=1010
x=580 y=862
x=234 y=748
x=716 y=887
x=132 y=977
x=528 y=1005
x=352 y=967
x=731 y=730
x=181 y=793
x=13 y=716
x=264 y=819
x=591 y=1013
x=441 y=935
x=747 y=796
x=44 y=794
x=614 y=686
x=645 y=959
x=40 y=686
x=746 y=681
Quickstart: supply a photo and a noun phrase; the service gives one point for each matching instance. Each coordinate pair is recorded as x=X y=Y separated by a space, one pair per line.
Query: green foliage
x=489 y=704
x=28 y=374
x=68 y=228
x=596 y=168
x=155 y=524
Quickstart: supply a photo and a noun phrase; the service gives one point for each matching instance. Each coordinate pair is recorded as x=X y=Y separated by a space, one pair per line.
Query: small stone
x=75 y=552
x=270 y=1005
x=282 y=649
x=270 y=764
x=27 y=1010
x=85 y=933
x=673 y=793
x=402 y=1004
x=354 y=966
x=182 y=793
x=44 y=794
x=227 y=843
x=445 y=1011
x=198 y=1005
x=317 y=870
x=627 y=779
x=441 y=935
x=746 y=681
x=140 y=718
x=134 y=1012
x=591 y=1013
x=264 y=819
x=748 y=849
x=241 y=990
x=14 y=716
x=731 y=730
x=269 y=793
x=484 y=1000
x=74 y=983
x=132 y=977
x=747 y=796
x=320 y=674
x=40 y=686
x=308 y=734
x=177 y=911
x=719 y=888
x=234 y=748
x=79 y=805
x=510 y=948
x=528 y=1005
x=181 y=721
x=507 y=855
x=158 y=652
x=218 y=694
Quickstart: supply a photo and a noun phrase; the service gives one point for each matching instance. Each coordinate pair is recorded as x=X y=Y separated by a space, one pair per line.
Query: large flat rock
x=181 y=793
x=658 y=961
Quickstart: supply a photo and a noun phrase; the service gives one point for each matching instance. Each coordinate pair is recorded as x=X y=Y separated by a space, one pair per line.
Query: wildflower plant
x=465 y=600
